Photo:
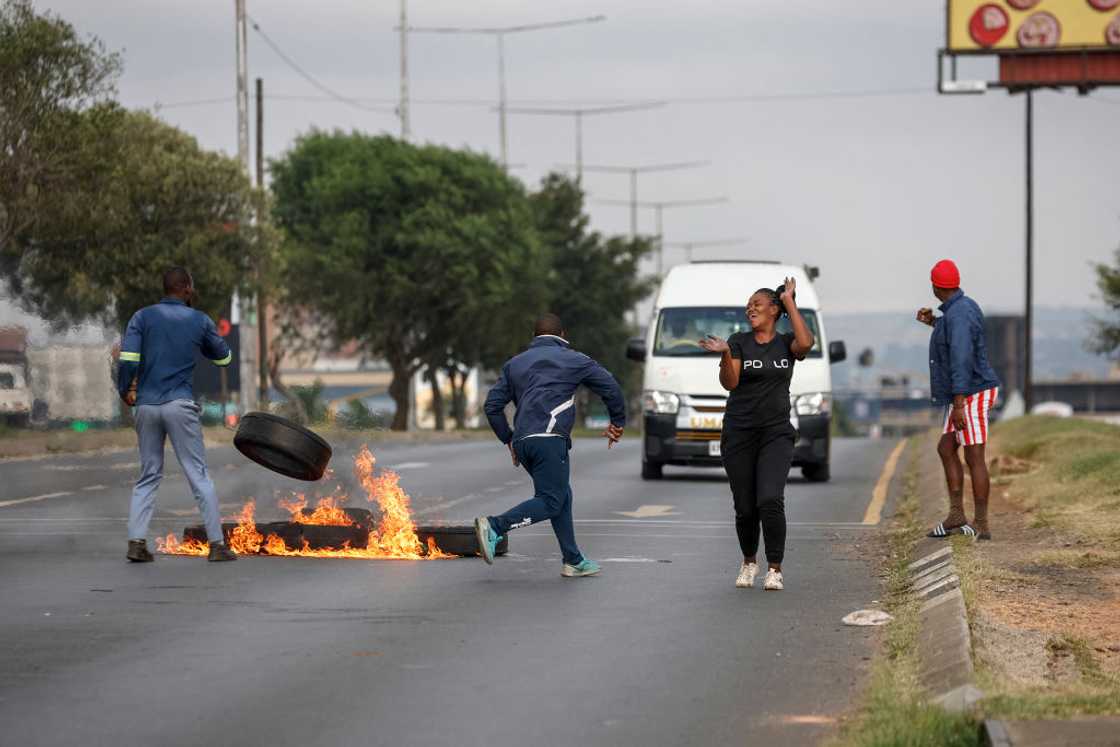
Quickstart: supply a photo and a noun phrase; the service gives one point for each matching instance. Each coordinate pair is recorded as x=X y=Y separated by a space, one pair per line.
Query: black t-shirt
x=762 y=398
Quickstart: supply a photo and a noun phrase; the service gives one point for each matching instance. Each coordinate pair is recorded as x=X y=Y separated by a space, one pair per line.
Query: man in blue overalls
x=158 y=351
x=541 y=382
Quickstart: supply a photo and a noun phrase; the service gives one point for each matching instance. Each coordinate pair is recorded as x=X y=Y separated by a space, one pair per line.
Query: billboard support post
x=1028 y=385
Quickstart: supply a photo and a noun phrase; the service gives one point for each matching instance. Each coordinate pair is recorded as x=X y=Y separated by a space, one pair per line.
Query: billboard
x=1009 y=25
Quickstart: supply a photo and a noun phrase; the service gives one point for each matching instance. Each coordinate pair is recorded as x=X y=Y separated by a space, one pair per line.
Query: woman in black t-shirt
x=757 y=441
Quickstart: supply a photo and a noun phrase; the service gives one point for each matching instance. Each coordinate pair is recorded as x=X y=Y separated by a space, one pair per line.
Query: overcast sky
x=873 y=189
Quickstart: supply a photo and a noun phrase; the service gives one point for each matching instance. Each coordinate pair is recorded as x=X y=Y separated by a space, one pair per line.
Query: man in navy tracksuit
x=158 y=353
x=541 y=382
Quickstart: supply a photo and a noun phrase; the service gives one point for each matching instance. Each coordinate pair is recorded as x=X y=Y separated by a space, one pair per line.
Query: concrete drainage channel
x=946 y=669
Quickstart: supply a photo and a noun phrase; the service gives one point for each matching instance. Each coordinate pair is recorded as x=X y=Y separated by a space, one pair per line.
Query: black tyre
x=282 y=446
x=652 y=470
x=817 y=472
x=456 y=540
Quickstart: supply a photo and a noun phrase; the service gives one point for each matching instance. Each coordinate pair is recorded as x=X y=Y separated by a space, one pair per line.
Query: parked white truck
x=15 y=389
x=682 y=400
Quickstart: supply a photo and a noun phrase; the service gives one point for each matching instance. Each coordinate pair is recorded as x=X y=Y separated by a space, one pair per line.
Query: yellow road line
x=879 y=494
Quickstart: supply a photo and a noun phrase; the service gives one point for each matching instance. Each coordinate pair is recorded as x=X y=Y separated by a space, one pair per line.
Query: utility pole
x=262 y=300
x=1028 y=384
x=633 y=171
x=247 y=366
x=406 y=128
x=689 y=246
x=499 y=33
x=578 y=114
x=659 y=208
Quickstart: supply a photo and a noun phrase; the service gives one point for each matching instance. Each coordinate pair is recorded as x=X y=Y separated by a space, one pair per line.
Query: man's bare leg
x=954 y=480
x=981 y=485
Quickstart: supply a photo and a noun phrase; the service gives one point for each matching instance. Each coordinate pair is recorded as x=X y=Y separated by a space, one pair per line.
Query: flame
x=328 y=511
x=394 y=538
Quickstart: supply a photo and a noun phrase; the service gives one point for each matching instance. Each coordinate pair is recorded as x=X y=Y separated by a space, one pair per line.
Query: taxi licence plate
x=713 y=448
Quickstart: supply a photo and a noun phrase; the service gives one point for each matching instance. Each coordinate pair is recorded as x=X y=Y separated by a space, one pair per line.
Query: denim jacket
x=958 y=354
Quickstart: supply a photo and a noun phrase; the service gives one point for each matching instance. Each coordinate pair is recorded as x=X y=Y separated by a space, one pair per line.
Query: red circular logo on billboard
x=1112 y=33
x=988 y=24
x=224 y=327
x=1023 y=4
x=1040 y=30
x=1105 y=4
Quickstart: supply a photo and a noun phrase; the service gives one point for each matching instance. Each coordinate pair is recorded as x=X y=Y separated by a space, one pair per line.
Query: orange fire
x=394 y=538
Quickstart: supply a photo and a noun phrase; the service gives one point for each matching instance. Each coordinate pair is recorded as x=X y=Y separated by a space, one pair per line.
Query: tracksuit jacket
x=159 y=344
x=541 y=382
x=958 y=353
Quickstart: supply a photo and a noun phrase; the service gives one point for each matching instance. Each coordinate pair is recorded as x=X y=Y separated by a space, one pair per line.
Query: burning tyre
x=282 y=446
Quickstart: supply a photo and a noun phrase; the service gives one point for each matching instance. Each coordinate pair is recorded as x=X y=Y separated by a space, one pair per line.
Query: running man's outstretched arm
x=599 y=380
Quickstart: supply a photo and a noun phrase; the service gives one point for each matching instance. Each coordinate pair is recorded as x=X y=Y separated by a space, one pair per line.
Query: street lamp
x=659 y=207
x=633 y=171
x=499 y=33
x=579 y=113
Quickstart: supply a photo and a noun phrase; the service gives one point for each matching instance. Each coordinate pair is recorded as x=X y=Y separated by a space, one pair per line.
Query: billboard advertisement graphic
x=1006 y=25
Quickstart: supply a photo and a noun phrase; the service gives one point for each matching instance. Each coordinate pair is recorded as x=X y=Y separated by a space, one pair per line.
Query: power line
x=306 y=75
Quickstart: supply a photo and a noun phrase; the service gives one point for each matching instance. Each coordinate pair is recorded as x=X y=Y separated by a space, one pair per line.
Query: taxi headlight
x=664 y=403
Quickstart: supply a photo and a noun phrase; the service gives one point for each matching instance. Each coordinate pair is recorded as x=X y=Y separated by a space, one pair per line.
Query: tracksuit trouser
x=545 y=458
x=757 y=462
x=179 y=421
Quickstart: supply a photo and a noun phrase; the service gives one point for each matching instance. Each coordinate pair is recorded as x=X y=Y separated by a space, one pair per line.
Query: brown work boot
x=219 y=553
x=138 y=552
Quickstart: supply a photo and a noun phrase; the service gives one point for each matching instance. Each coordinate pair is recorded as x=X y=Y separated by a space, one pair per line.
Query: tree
x=1106 y=339
x=47 y=76
x=150 y=198
x=419 y=253
x=595 y=281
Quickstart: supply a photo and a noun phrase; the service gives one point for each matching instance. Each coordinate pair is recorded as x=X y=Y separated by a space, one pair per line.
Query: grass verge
x=895 y=711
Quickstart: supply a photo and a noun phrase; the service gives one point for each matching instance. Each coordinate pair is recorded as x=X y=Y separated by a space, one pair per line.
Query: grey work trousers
x=177 y=420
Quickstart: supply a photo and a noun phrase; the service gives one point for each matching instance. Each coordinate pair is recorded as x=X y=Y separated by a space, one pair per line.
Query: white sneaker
x=773 y=580
x=746 y=575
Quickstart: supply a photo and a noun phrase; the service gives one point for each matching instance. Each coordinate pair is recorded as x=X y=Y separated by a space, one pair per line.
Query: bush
x=359 y=417
x=312 y=399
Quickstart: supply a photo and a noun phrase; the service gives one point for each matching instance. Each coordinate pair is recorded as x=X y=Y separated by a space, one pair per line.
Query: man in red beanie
x=963 y=382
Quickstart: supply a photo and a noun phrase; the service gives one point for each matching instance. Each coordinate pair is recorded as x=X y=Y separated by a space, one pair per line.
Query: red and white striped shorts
x=976 y=407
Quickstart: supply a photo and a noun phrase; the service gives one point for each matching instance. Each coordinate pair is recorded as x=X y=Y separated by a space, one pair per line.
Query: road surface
x=661 y=649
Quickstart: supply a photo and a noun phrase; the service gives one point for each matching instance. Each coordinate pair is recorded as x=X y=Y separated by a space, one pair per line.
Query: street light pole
x=406 y=128
x=659 y=208
x=633 y=171
x=500 y=32
x=578 y=114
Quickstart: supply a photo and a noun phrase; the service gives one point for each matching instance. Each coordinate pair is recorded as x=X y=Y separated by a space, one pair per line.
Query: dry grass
x=1044 y=595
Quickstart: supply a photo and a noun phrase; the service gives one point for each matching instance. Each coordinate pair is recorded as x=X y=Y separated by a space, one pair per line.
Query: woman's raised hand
x=714 y=344
x=788 y=291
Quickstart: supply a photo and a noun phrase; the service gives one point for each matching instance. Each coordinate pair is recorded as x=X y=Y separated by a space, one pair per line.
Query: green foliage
x=594 y=280
x=1107 y=337
x=48 y=75
x=153 y=198
x=419 y=253
x=312 y=399
x=358 y=416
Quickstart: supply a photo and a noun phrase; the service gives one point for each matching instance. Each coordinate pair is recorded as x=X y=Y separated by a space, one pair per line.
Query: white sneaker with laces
x=773 y=580
x=746 y=575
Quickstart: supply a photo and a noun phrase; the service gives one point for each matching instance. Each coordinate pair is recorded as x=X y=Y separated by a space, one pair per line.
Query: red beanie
x=945 y=275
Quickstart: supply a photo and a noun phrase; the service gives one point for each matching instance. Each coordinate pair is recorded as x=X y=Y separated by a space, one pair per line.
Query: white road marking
x=35 y=498
x=446 y=505
x=649 y=511
x=91 y=488
x=495 y=490
x=409 y=465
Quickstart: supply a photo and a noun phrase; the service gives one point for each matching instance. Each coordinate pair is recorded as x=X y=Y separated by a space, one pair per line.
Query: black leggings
x=757 y=461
